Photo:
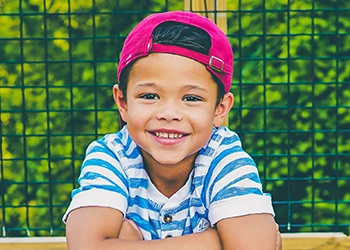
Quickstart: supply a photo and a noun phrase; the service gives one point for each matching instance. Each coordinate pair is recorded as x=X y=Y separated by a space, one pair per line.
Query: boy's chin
x=169 y=159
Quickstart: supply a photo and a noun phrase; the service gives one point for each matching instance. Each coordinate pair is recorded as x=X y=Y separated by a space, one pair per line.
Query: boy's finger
x=133 y=224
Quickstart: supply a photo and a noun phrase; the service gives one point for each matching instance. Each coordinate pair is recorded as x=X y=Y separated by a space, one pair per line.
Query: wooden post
x=216 y=12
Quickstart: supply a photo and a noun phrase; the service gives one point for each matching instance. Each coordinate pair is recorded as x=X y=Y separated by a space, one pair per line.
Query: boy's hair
x=182 y=35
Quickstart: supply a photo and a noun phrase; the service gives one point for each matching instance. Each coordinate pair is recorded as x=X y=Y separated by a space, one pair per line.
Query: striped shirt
x=224 y=183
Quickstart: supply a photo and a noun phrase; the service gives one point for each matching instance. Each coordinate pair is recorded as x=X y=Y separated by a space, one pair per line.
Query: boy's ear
x=223 y=109
x=120 y=100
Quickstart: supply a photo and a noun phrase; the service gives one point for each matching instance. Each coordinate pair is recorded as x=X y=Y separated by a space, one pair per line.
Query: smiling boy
x=172 y=177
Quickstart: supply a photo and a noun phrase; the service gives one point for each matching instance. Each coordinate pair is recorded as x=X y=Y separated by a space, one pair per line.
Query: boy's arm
x=99 y=228
x=130 y=231
x=256 y=231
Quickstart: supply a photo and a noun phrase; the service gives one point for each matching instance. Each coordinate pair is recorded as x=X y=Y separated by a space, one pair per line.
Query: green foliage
x=291 y=79
x=291 y=82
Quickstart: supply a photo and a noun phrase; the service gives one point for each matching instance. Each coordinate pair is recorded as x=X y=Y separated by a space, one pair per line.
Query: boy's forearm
x=208 y=239
x=91 y=228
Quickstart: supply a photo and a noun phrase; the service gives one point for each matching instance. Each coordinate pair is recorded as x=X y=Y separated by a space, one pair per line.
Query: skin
x=170 y=107
x=159 y=102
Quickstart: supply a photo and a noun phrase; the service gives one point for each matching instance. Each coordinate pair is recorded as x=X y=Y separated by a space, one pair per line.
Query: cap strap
x=213 y=62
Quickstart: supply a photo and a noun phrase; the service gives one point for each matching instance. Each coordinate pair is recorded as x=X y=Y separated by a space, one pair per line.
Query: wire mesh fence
x=292 y=102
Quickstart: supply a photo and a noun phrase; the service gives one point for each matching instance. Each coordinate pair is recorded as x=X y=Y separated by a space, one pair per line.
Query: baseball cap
x=219 y=60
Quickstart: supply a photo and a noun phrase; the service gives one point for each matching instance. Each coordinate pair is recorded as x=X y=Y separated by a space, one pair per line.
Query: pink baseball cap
x=139 y=44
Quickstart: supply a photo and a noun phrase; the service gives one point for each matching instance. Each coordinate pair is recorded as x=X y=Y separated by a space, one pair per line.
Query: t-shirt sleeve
x=102 y=182
x=234 y=186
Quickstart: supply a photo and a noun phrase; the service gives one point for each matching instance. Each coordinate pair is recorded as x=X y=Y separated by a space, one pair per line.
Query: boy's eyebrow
x=195 y=87
x=147 y=84
x=186 y=87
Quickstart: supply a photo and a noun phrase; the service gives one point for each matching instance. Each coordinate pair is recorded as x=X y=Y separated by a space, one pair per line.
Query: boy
x=171 y=177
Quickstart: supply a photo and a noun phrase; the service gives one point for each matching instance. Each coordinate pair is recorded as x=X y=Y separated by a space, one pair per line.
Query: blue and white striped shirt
x=224 y=183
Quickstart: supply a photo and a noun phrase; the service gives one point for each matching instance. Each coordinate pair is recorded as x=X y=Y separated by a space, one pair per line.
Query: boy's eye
x=149 y=96
x=192 y=98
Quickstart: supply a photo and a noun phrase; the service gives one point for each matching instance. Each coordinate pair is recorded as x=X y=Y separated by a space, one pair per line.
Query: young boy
x=171 y=178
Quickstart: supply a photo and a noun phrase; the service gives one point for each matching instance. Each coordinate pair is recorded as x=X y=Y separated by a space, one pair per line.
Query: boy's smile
x=168 y=137
x=170 y=109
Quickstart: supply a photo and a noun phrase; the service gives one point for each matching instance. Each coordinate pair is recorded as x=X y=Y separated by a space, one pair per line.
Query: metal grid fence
x=291 y=82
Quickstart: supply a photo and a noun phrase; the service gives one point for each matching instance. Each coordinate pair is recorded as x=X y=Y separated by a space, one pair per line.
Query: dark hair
x=182 y=35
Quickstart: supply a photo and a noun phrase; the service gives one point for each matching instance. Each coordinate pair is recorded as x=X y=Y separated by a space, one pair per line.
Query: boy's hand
x=129 y=231
x=279 y=239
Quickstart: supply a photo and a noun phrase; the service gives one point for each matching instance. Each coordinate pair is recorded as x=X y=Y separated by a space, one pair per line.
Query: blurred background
x=58 y=61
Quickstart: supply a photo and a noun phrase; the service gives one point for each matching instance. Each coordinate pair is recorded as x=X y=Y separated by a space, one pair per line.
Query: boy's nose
x=169 y=111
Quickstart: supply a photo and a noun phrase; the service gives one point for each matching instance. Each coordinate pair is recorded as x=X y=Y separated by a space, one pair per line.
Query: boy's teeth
x=167 y=135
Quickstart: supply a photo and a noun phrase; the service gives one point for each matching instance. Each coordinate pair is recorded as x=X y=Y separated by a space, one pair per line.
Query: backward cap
x=219 y=61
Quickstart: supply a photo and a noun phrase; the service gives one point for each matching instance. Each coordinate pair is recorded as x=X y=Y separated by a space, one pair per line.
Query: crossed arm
x=93 y=228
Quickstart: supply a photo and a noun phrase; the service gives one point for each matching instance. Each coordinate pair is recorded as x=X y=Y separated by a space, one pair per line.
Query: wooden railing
x=291 y=241
x=315 y=241
x=33 y=243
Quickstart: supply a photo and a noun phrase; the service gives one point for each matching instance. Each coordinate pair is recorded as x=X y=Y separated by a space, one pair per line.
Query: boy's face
x=170 y=107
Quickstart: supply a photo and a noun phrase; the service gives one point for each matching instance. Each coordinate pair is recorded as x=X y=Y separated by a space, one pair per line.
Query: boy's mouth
x=166 y=135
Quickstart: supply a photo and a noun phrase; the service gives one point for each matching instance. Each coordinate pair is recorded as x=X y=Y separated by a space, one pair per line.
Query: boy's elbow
x=257 y=231
x=92 y=228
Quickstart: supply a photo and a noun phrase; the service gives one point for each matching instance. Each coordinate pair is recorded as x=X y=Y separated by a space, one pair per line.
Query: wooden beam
x=216 y=10
x=33 y=243
x=319 y=241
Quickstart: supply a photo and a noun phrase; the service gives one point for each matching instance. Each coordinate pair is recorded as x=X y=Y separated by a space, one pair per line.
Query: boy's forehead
x=166 y=71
